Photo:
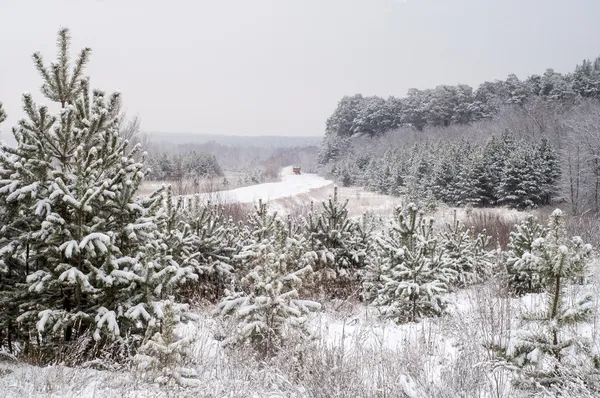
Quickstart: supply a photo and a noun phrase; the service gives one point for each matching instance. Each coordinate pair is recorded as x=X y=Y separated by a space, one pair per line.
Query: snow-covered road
x=290 y=185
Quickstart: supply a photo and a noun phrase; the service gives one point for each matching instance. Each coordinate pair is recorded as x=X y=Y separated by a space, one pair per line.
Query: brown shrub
x=493 y=224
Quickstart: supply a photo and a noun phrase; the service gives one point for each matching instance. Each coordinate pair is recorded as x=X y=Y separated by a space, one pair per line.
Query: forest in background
x=523 y=143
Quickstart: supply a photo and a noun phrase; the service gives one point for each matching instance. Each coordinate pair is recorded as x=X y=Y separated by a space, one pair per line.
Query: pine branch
x=2 y=114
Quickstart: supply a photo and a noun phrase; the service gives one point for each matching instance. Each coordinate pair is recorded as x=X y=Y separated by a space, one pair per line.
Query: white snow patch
x=290 y=185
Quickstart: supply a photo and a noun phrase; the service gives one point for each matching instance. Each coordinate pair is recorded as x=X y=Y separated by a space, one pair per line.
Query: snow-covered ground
x=288 y=186
x=355 y=354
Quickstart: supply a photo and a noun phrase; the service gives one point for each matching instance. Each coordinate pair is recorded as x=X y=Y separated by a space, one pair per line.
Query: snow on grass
x=355 y=354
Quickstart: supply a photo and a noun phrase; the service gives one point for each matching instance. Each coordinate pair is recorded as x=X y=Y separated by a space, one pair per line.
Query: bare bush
x=493 y=224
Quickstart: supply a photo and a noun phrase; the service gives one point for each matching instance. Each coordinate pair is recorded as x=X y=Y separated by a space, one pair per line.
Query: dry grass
x=494 y=224
x=354 y=355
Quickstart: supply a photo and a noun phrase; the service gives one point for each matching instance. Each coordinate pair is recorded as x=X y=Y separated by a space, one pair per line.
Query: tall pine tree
x=81 y=251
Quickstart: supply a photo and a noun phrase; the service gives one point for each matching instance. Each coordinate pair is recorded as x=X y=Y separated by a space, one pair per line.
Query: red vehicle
x=296 y=170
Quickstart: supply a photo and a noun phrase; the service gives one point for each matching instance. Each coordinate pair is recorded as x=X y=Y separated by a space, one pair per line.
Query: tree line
x=503 y=170
x=177 y=166
x=444 y=105
x=561 y=110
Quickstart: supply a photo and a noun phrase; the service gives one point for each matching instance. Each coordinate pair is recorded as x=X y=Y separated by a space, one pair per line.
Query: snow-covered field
x=288 y=186
x=355 y=354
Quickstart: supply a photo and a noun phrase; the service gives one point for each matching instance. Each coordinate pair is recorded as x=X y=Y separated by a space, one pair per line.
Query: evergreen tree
x=466 y=254
x=520 y=264
x=266 y=308
x=331 y=237
x=342 y=122
x=414 y=272
x=496 y=153
x=521 y=182
x=479 y=189
x=215 y=243
x=548 y=342
x=162 y=354
x=79 y=248
x=444 y=179
x=549 y=170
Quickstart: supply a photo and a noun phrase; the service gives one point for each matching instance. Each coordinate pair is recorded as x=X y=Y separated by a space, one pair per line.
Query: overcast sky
x=279 y=67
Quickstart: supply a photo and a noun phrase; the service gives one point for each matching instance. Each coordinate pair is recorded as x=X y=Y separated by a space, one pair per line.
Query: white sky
x=279 y=67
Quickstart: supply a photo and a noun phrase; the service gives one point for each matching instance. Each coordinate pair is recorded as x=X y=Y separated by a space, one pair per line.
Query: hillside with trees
x=519 y=143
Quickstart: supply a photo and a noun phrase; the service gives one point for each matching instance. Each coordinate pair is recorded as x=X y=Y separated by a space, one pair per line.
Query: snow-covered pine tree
x=466 y=253
x=523 y=275
x=549 y=343
x=175 y=251
x=444 y=179
x=478 y=189
x=332 y=234
x=81 y=244
x=420 y=172
x=214 y=247
x=266 y=309
x=415 y=274
x=161 y=355
x=496 y=153
x=12 y=267
x=365 y=246
x=550 y=170
x=521 y=182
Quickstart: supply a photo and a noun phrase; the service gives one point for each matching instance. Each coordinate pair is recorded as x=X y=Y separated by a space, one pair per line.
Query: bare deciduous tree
x=130 y=130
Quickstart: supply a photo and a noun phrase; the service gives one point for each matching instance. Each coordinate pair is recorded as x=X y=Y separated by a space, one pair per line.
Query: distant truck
x=296 y=170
